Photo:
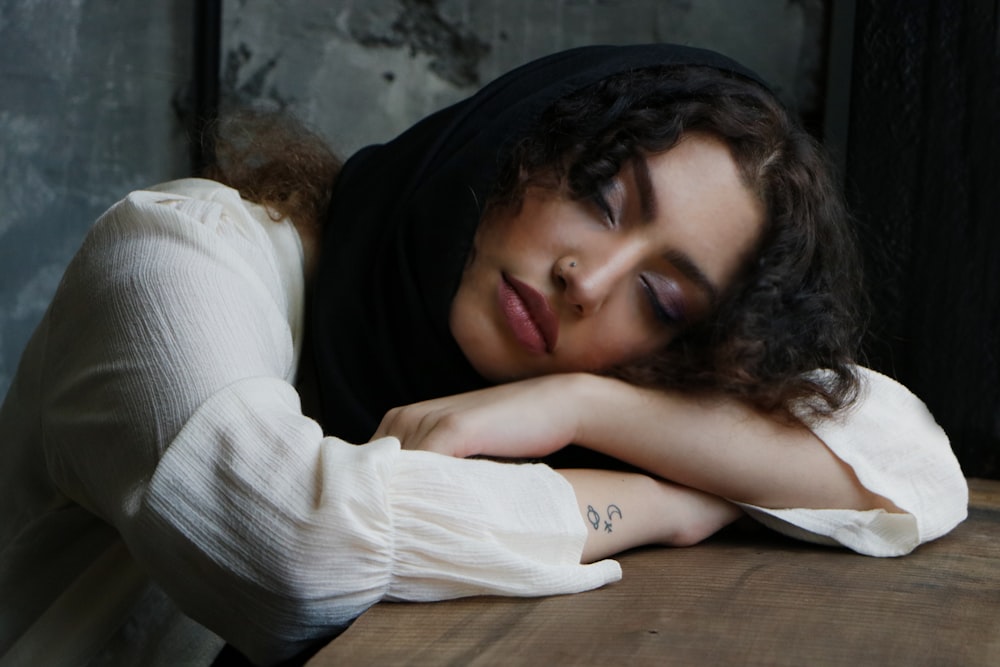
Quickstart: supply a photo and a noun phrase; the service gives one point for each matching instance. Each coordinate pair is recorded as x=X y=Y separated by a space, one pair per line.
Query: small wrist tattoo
x=594 y=517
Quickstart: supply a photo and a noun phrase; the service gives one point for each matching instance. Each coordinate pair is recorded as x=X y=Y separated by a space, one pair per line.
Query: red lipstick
x=528 y=314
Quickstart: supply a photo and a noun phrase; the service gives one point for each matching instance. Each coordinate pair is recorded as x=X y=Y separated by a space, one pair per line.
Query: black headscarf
x=401 y=224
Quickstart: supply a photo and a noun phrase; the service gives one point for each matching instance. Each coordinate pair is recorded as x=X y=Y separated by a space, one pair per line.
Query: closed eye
x=609 y=201
x=665 y=298
x=601 y=202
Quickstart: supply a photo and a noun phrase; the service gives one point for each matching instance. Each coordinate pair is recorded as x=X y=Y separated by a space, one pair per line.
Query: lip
x=528 y=314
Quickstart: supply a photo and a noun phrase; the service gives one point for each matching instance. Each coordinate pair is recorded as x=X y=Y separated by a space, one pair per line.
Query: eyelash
x=600 y=200
x=667 y=313
x=602 y=205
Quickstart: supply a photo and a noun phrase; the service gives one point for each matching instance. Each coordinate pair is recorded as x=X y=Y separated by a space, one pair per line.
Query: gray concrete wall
x=88 y=89
x=365 y=70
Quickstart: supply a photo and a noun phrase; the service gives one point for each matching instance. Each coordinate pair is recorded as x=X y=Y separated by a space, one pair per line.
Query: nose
x=589 y=279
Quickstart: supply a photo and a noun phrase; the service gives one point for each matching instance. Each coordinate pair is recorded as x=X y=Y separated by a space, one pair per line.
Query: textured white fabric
x=153 y=410
x=897 y=450
x=156 y=395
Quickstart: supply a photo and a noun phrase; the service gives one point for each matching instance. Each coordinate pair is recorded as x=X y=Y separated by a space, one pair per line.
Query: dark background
x=923 y=176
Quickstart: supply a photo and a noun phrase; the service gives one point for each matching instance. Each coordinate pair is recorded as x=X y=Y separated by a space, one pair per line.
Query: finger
x=409 y=424
x=421 y=434
x=394 y=423
x=448 y=433
x=383 y=426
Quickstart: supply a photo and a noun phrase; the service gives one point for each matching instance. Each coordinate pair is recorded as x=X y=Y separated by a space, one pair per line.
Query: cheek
x=617 y=344
x=469 y=315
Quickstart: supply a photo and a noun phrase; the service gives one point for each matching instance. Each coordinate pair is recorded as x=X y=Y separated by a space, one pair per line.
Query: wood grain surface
x=745 y=597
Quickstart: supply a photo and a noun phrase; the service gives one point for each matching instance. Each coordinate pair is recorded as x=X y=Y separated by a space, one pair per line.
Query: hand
x=529 y=418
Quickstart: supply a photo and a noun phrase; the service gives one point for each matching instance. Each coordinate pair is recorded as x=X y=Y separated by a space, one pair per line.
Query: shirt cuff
x=474 y=527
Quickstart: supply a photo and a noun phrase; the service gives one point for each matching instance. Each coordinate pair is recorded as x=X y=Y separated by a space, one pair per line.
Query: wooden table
x=741 y=598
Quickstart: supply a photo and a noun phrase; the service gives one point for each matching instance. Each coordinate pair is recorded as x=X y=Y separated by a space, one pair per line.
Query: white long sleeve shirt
x=155 y=458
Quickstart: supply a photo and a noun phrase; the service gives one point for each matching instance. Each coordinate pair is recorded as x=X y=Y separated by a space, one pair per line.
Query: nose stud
x=562 y=267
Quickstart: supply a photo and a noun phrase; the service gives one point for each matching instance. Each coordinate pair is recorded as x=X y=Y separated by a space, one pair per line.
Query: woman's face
x=560 y=285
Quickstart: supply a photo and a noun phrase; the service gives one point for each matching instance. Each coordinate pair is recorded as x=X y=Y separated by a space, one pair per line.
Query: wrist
x=602 y=405
x=584 y=393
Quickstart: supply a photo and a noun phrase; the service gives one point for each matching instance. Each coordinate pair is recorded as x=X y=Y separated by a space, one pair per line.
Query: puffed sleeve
x=896 y=449
x=172 y=417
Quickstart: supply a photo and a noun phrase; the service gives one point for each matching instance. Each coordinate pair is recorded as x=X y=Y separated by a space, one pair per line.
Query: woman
x=605 y=214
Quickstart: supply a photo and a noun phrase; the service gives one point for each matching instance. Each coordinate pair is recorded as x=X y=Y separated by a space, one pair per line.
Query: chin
x=505 y=377
x=507 y=374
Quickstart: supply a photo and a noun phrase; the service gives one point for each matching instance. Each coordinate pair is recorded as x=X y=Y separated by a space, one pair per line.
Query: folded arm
x=719 y=446
x=879 y=478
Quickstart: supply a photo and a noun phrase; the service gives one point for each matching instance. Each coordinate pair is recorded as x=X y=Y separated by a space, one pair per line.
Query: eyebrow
x=644 y=186
x=648 y=205
x=692 y=272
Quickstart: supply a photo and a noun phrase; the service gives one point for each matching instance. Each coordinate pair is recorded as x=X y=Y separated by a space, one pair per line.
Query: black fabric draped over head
x=401 y=224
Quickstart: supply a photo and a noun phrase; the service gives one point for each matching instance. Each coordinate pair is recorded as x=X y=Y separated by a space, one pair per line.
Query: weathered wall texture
x=363 y=71
x=86 y=90
x=90 y=89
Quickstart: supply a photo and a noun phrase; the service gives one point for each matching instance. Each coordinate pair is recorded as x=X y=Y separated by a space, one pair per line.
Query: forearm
x=718 y=446
x=625 y=510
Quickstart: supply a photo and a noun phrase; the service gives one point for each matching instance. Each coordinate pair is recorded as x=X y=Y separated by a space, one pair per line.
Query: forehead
x=702 y=205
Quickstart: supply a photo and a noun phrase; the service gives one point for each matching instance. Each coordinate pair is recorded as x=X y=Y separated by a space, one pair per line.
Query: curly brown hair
x=274 y=160
x=785 y=335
